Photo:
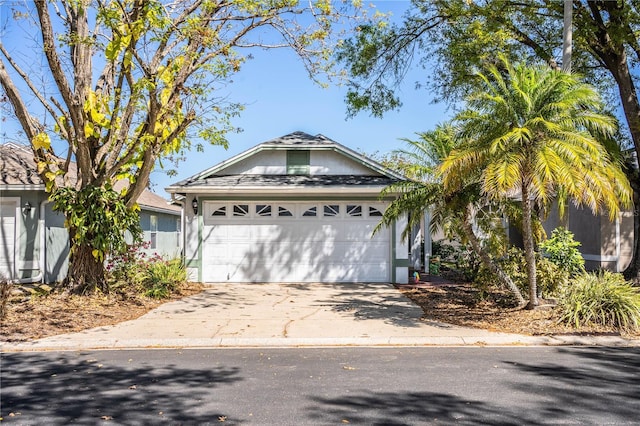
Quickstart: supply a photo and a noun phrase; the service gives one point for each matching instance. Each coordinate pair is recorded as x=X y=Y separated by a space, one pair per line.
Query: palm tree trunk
x=484 y=257
x=529 y=251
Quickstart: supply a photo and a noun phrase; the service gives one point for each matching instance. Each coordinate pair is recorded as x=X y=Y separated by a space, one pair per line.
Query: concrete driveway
x=255 y=315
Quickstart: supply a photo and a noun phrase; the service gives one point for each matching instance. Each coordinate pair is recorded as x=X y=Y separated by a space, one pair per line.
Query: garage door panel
x=365 y=253
x=265 y=232
x=299 y=249
x=356 y=230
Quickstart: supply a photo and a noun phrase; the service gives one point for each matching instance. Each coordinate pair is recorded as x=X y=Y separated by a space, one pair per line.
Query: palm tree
x=529 y=133
x=454 y=209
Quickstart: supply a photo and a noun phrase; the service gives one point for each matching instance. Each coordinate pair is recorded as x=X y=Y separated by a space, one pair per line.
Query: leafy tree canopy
x=126 y=83
x=451 y=39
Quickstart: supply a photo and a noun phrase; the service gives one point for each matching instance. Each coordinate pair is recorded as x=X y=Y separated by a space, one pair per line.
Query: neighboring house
x=604 y=243
x=34 y=244
x=298 y=208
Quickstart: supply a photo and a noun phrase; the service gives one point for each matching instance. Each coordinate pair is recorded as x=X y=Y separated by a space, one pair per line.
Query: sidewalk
x=292 y=315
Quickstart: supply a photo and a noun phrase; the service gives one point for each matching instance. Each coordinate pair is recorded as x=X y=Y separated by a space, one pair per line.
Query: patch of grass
x=601 y=298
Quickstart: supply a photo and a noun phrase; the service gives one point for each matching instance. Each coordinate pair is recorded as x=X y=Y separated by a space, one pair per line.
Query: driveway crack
x=285 y=331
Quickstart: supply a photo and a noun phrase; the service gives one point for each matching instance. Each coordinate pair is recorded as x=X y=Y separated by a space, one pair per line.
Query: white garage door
x=294 y=242
x=7 y=238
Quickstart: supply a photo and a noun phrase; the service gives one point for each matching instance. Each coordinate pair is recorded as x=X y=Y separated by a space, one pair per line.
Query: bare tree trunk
x=529 y=250
x=632 y=272
x=567 y=36
x=484 y=257
x=86 y=273
x=612 y=52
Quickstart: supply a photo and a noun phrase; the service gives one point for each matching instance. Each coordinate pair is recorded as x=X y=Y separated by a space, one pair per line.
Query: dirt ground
x=460 y=304
x=35 y=317
x=464 y=305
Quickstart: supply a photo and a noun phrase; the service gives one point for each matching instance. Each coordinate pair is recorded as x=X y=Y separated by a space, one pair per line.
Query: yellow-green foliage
x=601 y=298
x=549 y=276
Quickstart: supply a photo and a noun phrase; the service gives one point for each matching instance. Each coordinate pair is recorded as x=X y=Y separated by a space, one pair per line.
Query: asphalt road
x=372 y=386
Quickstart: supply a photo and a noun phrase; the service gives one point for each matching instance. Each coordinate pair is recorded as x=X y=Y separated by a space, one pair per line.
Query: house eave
x=277 y=190
x=159 y=210
x=34 y=187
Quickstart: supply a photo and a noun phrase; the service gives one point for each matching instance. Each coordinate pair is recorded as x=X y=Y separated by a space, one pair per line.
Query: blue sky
x=280 y=98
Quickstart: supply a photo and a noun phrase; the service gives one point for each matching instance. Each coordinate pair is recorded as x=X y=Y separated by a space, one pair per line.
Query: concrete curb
x=62 y=344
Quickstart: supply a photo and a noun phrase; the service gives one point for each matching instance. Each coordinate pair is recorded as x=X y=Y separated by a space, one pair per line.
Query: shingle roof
x=300 y=138
x=297 y=140
x=314 y=181
x=17 y=167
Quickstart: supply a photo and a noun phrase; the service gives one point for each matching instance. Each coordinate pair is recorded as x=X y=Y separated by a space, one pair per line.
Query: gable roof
x=18 y=171
x=215 y=176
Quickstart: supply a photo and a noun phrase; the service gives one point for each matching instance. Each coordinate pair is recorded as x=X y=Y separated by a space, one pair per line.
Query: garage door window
x=241 y=210
x=284 y=212
x=354 y=210
x=220 y=211
x=374 y=212
x=263 y=210
x=331 y=210
x=310 y=212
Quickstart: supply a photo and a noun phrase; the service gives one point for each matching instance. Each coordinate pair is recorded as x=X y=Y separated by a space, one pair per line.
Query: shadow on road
x=85 y=389
x=391 y=409
x=604 y=380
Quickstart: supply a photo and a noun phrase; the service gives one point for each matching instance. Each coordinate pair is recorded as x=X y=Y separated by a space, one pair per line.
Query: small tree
x=562 y=250
x=127 y=83
x=532 y=131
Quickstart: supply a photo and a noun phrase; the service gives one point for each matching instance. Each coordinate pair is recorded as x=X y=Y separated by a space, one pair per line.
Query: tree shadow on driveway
x=373 y=301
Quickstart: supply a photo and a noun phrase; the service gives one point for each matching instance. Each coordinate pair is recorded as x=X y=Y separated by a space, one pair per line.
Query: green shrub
x=441 y=249
x=601 y=298
x=153 y=277
x=549 y=276
x=562 y=250
x=434 y=266
x=163 y=277
x=458 y=257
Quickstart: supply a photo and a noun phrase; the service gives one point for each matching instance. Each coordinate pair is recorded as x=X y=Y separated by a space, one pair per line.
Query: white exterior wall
x=332 y=163
x=275 y=163
x=262 y=163
x=191 y=242
x=401 y=252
